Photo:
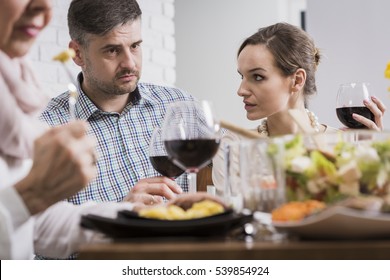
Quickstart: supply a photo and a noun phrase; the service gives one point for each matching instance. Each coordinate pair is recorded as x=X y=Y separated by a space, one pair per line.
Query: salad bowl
x=349 y=174
x=349 y=164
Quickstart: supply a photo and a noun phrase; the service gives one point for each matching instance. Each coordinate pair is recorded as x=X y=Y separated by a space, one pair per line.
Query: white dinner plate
x=340 y=222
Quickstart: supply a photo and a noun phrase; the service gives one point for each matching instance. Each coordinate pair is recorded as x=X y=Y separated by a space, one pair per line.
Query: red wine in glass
x=191 y=138
x=344 y=114
x=350 y=98
x=159 y=158
x=192 y=154
x=164 y=166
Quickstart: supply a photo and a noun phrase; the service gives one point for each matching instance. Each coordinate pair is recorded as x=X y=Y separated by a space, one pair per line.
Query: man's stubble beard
x=109 y=88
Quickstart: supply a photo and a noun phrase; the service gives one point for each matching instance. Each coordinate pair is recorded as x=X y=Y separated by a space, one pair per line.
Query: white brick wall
x=158 y=48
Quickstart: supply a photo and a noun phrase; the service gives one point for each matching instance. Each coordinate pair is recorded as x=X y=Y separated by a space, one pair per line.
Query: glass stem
x=191 y=182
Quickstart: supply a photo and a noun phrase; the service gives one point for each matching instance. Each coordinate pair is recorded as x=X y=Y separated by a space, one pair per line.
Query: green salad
x=348 y=170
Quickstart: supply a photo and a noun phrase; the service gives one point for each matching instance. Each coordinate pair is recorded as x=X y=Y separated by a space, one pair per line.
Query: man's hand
x=150 y=191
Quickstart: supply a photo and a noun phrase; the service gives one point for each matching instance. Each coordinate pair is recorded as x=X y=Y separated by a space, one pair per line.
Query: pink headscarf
x=21 y=101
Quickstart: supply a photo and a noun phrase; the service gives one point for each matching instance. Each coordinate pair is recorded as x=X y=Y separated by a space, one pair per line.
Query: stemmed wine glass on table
x=190 y=134
x=350 y=99
x=159 y=157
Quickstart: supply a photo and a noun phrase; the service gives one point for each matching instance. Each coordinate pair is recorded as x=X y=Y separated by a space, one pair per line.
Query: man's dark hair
x=98 y=17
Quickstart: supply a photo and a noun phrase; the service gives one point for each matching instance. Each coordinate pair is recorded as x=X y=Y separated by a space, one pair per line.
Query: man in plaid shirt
x=122 y=112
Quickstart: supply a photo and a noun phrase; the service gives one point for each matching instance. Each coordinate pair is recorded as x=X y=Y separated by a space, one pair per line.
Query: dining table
x=243 y=249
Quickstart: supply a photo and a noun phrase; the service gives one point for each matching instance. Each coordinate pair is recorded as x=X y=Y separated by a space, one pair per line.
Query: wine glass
x=350 y=100
x=159 y=158
x=264 y=185
x=190 y=134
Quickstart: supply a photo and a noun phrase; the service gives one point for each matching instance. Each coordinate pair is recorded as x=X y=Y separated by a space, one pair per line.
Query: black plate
x=128 y=224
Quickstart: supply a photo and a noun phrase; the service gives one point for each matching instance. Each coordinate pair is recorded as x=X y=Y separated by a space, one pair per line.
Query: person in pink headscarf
x=38 y=166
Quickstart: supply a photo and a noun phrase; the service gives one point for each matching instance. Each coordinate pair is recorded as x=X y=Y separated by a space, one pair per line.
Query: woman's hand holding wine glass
x=191 y=138
x=357 y=109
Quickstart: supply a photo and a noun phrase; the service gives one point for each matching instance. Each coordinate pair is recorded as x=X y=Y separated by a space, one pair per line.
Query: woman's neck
x=282 y=123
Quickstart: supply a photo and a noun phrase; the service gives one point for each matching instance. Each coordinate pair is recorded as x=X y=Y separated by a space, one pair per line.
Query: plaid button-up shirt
x=123 y=139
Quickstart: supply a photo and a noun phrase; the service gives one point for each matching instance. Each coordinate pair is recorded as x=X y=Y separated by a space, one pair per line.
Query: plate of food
x=355 y=218
x=201 y=220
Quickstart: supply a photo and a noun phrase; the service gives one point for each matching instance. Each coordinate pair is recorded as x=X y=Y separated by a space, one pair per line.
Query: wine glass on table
x=349 y=101
x=190 y=134
x=159 y=158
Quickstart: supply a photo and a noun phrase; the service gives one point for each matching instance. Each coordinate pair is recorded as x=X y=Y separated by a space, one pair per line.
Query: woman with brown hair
x=277 y=65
